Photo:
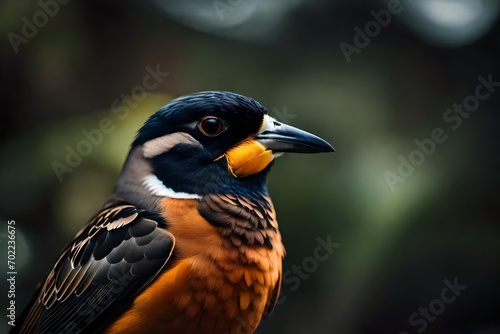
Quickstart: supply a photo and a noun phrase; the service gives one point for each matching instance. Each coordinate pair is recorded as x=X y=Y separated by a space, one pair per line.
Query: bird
x=188 y=242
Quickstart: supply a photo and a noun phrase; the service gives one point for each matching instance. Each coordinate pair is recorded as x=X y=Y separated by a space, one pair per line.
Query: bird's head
x=213 y=142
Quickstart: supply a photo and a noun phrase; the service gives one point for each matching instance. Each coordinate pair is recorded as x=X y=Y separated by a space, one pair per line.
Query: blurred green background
x=399 y=239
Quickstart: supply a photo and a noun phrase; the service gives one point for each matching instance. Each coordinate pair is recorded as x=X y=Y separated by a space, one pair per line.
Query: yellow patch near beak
x=247 y=158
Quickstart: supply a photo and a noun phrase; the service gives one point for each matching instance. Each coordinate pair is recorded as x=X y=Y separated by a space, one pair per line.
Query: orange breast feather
x=212 y=287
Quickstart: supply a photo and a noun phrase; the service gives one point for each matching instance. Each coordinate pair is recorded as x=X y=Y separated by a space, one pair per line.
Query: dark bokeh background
x=397 y=247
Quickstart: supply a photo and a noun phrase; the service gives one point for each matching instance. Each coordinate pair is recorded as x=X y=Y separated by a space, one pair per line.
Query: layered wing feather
x=97 y=275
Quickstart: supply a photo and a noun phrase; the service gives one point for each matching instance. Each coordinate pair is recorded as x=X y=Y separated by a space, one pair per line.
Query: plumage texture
x=111 y=260
x=189 y=242
x=213 y=285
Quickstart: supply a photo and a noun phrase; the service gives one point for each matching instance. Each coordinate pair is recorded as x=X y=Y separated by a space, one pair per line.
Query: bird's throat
x=248 y=158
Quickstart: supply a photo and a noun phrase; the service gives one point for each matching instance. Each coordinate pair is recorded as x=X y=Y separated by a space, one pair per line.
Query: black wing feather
x=113 y=258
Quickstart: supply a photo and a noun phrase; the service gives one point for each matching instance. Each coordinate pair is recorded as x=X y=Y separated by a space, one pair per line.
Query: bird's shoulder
x=110 y=260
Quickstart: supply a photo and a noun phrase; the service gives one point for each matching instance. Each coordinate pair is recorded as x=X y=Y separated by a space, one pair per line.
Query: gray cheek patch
x=163 y=144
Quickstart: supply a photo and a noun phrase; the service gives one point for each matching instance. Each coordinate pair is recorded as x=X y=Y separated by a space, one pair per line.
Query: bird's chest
x=214 y=286
x=203 y=294
x=215 y=296
x=221 y=287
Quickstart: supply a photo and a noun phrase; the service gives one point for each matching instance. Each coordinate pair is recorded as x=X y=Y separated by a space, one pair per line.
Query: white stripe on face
x=157 y=146
x=268 y=124
x=156 y=187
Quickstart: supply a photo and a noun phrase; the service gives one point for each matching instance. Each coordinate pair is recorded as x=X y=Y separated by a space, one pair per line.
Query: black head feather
x=194 y=169
x=244 y=114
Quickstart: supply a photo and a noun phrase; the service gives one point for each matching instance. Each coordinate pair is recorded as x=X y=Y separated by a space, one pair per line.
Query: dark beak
x=280 y=137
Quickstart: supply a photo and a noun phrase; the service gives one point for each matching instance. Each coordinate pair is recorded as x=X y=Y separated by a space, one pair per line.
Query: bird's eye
x=210 y=126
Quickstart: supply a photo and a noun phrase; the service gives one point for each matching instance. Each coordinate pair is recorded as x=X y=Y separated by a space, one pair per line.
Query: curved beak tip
x=331 y=148
x=285 y=138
